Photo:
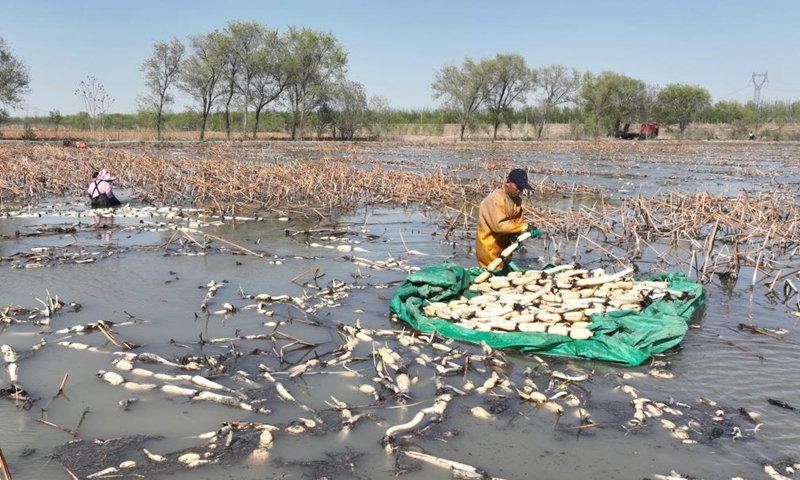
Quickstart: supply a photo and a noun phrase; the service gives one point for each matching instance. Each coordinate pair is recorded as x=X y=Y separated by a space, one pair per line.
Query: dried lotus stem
x=63 y=384
x=4 y=466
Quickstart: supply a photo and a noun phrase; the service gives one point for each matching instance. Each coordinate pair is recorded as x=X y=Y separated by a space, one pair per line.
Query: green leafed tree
x=201 y=73
x=56 y=118
x=724 y=112
x=348 y=100
x=14 y=79
x=741 y=117
x=268 y=73
x=246 y=43
x=161 y=71
x=461 y=88
x=379 y=115
x=611 y=98
x=231 y=73
x=679 y=103
x=315 y=61
x=508 y=81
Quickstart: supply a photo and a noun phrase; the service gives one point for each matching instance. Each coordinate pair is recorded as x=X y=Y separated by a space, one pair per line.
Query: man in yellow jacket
x=500 y=217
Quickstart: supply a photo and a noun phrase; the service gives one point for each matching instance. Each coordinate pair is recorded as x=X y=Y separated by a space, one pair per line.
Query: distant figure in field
x=752 y=135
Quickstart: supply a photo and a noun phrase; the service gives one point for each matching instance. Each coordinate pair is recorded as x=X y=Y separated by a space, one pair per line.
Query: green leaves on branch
x=14 y=79
x=678 y=103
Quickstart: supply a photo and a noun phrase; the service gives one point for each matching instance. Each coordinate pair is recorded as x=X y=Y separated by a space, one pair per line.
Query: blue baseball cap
x=520 y=178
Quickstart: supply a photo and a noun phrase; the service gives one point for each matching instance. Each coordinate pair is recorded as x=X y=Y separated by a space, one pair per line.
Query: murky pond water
x=149 y=280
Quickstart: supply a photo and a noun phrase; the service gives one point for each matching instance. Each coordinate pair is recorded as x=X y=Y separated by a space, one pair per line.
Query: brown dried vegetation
x=723 y=233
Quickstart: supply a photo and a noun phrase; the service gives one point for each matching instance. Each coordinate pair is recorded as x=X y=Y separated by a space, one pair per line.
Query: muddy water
x=158 y=295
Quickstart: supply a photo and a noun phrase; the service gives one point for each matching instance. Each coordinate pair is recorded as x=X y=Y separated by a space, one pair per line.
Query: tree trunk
x=463 y=128
x=294 y=126
x=228 y=115
x=203 y=126
x=244 y=122
x=255 y=125
x=227 y=121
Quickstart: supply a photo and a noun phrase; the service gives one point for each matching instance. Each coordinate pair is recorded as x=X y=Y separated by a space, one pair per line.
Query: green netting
x=627 y=337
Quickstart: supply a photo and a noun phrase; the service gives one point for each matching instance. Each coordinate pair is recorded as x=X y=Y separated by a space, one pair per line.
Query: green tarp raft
x=627 y=337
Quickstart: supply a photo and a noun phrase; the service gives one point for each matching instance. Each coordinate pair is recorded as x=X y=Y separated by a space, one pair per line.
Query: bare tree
x=160 y=71
x=94 y=97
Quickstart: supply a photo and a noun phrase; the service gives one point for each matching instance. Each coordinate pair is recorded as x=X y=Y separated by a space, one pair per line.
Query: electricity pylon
x=759 y=79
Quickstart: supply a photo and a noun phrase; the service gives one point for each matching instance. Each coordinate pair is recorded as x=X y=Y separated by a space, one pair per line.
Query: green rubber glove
x=535 y=232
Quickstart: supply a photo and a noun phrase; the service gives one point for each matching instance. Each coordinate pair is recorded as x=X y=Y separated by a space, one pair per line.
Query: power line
x=735 y=92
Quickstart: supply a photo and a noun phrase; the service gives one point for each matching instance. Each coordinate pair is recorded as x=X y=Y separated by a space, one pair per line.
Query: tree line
x=248 y=78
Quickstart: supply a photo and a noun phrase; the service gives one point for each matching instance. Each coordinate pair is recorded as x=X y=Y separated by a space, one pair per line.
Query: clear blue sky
x=396 y=47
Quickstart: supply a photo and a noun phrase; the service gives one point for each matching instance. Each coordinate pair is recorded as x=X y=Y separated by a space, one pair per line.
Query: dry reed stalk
x=76 y=433
x=315 y=271
x=605 y=251
x=294 y=339
x=222 y=240
x=71 y=475
x=755 y=268
x=761 y=331
x=172 y=239
x=108 y=334
x=710 y=240
x=4 y=466
x=215 y=174
x=201 y=180
x=53 y=425
x=772 y=285
x=191 y=239
x=63 y=384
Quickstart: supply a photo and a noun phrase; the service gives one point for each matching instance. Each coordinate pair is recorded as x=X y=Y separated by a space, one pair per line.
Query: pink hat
x=104 y=174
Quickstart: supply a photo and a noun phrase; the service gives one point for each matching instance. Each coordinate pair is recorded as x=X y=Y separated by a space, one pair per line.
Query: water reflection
x=154 y=292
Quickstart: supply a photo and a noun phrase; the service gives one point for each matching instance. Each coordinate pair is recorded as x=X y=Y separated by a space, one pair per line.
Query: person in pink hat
x=100 y=192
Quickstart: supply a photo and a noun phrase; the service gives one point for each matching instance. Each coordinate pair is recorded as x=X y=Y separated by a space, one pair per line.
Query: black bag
x=101 y=201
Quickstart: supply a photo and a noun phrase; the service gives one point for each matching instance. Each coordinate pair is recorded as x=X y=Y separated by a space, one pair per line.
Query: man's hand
x=535 y=232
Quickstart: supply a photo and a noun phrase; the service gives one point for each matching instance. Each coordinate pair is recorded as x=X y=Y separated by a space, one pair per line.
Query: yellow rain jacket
x=499 y=219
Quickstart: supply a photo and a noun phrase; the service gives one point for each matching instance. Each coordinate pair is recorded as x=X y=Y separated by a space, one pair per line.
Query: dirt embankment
x=576 y=131
x=428 y=133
